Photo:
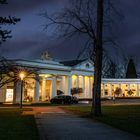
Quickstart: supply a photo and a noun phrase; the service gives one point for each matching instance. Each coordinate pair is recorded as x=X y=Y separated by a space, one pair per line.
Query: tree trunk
x=96 y=102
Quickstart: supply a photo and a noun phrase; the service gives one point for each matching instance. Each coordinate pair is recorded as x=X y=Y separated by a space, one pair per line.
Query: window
x=87 y=65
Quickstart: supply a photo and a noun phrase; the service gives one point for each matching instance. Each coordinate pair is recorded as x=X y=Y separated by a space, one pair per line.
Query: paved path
x=55 y=124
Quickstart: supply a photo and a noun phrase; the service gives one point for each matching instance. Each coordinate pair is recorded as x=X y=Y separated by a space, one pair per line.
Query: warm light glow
x=21 y=75
x=45 y=75
x=91 y=77
x=74 y=77
x=86 y=80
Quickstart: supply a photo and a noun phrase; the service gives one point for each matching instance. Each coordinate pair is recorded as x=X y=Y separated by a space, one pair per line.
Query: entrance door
x=9 y=95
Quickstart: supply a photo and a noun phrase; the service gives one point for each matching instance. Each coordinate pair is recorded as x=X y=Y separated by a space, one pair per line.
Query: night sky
x=30 y=40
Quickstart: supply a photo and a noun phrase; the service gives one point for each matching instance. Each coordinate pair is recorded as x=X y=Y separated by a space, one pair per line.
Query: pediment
x=85 y=65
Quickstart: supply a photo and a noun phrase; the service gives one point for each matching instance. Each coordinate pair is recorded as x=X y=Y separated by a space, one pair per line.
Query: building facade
x=70 y=77
x=75 y=76
x=121 y=87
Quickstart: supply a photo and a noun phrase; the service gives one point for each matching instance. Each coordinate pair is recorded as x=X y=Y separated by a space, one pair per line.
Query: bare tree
x=110 y=68
x=85 y=17
x=4 y=34
x=96 y=103
x=3 y=2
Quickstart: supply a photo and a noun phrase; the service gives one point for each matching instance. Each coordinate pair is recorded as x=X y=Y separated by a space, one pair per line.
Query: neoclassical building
x=69 y=77
x=53 y=77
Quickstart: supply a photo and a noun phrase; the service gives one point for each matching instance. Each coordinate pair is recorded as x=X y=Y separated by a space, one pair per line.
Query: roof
x=72 y=62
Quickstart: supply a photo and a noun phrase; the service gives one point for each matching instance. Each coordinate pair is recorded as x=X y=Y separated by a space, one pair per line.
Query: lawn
x=125 y=117
x=15 y=126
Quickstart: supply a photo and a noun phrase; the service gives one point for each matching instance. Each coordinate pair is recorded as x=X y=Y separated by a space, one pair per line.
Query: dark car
x=64 y=99
x=74 y=100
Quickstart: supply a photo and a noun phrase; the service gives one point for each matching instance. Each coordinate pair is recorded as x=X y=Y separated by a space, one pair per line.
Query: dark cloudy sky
x=29 y=40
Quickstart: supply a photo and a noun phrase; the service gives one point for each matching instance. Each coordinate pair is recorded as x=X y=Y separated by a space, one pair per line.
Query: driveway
x=56 y=124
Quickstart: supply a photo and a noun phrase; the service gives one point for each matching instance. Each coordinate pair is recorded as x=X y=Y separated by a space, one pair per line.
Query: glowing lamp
x=21 y=75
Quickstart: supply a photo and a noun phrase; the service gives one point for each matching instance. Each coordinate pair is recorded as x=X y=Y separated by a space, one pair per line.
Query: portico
x=47 y=87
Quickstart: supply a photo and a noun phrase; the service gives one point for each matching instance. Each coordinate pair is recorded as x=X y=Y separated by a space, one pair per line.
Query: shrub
x=130 y=92
x=76 y=90
x=118 y=91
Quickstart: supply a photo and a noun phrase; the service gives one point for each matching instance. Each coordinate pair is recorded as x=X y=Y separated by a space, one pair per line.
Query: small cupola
x=46 y=56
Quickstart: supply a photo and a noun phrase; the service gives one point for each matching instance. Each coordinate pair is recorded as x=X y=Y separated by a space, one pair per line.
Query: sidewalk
x=56 y=124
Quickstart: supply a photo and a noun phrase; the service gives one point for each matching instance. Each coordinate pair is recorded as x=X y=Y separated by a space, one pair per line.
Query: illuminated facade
x=120 y=87
x=71 y=77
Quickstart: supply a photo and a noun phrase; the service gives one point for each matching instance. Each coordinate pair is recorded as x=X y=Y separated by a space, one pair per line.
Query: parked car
x=64 y=99
x=74 y=100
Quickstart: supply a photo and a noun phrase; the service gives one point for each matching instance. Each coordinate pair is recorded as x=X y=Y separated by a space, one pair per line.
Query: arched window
x=87 y=65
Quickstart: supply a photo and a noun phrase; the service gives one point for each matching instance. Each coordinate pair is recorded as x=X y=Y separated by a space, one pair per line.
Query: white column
x=103 y=85
x=110 y=90
x=69 y=85
x=63 y=83
x=77 y=81
x=120 y=86
x=121 y=90
x=43 y=89
x=86 y=87
x=92 y=84
x=137 y=90
x=54 y=90
x=77 y=84
x=18 y=91
x=84 y=91
x=128 y=89
x=36 y=91
x=89 y=86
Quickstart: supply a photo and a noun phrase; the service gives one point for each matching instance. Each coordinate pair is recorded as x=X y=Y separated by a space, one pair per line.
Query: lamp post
x=21 y=75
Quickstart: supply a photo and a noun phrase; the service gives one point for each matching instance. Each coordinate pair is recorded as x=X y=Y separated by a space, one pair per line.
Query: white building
x=67 y=77
x=53 y=76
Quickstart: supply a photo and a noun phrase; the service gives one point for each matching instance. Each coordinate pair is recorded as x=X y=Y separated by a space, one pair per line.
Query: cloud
x=29 y=40
x=24 y=6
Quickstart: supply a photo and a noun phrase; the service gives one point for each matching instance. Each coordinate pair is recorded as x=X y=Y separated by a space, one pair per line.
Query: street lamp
x=21 y=75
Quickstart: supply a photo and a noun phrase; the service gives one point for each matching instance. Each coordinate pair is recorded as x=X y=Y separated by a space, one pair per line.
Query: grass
x=124 y=117
x=15 y=126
